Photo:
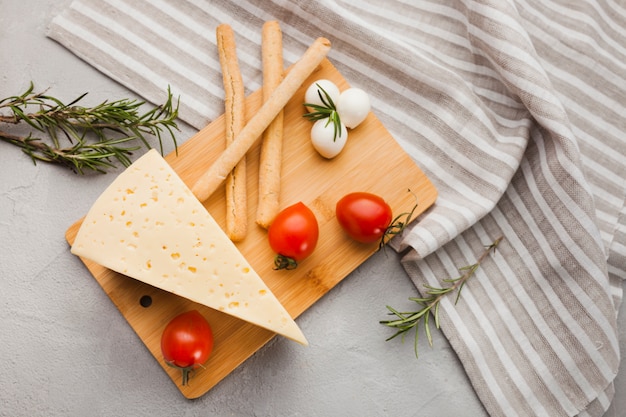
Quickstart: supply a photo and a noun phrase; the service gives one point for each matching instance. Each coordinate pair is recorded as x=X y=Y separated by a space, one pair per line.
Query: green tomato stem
x=284 y=262
x=186 y=371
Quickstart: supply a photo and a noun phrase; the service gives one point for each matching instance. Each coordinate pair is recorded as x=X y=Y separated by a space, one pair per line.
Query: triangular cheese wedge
x=149 y=226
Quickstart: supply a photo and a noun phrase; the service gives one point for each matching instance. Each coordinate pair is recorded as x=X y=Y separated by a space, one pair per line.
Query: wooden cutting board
x=372 y=161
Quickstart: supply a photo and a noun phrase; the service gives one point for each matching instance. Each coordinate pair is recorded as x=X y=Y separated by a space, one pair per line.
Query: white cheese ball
x=353 y=107
x=324 y=142
x=312 y=96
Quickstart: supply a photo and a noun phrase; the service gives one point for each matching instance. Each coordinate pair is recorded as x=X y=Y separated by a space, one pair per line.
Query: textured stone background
x=67 y=351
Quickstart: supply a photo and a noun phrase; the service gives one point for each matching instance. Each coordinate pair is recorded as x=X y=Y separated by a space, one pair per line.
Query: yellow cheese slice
x=149 y=226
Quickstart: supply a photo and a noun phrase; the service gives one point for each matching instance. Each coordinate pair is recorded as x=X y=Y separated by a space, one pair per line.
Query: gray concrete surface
x=67 y=351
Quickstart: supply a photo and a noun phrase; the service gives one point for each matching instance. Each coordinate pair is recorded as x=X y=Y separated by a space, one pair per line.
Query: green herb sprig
x=406 y=321
x=327 y=109
x=97 y=135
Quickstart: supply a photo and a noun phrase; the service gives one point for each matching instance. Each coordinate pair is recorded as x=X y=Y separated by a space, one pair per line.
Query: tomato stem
x=397 y=226
x=284 y=262
x=186 y=371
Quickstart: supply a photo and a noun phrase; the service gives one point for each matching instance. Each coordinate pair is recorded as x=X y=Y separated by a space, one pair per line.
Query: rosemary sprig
x=328 y=109
x=97 y=135
x=405 y=321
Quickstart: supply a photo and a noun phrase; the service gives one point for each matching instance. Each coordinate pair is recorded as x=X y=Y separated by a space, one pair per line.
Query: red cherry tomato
x=187 y=342
x=363 y=216
x=293 y=235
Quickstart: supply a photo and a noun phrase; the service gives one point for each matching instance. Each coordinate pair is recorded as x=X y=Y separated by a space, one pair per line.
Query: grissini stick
x=272 y=146
x=217 y=172
x=235 y=119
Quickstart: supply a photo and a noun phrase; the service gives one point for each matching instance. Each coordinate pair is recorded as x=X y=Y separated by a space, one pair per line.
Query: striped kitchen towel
x=514 y=109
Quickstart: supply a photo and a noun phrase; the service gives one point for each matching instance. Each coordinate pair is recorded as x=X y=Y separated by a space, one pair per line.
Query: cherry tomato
x=363 y=216
x=187 y=342
x=293 y=235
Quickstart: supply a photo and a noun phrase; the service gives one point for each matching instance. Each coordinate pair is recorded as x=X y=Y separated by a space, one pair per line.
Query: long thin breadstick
x=272 y=146
x=213 y=177
x=234 y=116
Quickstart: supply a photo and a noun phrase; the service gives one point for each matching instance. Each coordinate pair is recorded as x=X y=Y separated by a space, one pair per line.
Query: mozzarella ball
x=353 y=107
x=324 y=142
x=312 y=95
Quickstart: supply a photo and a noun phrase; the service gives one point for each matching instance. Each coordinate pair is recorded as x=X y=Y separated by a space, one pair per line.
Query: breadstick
x=234 y=116
x=213 y=177
x=272 y=145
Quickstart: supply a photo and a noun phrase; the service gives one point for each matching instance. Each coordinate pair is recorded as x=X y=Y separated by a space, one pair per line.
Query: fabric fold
x=515 y=112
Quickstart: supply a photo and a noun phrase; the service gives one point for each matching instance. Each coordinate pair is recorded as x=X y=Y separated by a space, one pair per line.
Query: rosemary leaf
x=437 y=315
x=417 y=338
x=419 y=300
x=427 y=328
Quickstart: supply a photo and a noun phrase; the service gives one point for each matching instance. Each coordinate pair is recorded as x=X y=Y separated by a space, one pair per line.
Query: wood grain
x=371 y=161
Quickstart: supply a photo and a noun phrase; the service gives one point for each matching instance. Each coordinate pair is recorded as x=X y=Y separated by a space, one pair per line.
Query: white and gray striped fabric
x=514 y=109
